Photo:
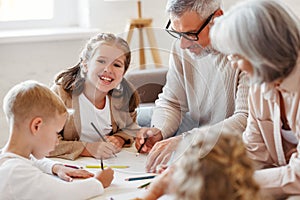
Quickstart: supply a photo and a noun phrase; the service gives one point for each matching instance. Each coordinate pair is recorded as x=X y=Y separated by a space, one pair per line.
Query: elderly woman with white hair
x=262 y=38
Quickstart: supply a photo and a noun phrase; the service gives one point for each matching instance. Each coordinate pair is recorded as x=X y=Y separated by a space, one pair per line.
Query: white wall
x=42 y=60
x=39 y=61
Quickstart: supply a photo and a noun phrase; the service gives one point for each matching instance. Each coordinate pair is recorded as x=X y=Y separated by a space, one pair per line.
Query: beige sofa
x=149 y=84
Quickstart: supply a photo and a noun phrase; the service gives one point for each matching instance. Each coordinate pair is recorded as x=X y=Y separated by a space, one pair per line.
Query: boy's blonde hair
x=31 y=99
x=224 y=173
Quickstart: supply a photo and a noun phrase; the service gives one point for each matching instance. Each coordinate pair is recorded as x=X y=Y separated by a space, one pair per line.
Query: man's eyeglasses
x=188 y=35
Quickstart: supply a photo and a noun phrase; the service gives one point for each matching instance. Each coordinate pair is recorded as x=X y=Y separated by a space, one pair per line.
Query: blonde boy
x=35 y=115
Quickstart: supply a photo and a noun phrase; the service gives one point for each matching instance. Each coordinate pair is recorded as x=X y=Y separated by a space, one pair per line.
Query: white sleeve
x=29 y=182
x=44 y=164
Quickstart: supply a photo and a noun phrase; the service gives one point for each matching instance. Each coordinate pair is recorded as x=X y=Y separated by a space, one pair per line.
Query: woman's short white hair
x=265 y=32
x=203 y=7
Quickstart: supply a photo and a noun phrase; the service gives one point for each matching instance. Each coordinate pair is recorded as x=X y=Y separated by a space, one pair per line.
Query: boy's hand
x=67 y=173
x=105 y=177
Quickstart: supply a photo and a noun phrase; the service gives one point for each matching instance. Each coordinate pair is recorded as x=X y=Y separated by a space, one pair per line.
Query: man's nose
x=185 y=43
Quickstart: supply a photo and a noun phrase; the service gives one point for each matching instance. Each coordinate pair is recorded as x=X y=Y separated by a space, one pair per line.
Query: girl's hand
x=67 y=173
x=99 y=150
x=117 y=141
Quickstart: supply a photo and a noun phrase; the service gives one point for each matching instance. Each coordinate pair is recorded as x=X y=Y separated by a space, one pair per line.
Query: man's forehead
x=187 y=22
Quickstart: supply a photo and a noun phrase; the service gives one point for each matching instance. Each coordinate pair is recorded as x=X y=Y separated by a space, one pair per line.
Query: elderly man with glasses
x=200 y=82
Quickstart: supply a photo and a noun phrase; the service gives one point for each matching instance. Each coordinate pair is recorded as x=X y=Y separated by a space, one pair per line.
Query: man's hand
x=67 y=173
x=153 y=134
x=161 y=152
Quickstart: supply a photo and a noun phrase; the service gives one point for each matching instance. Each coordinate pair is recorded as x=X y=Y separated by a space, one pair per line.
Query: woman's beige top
x=263 y=136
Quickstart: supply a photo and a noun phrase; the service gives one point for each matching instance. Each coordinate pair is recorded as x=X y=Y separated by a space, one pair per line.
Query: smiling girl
x=98 y=93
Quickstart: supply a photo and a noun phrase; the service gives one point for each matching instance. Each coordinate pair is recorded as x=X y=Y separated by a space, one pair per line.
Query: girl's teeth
x=106 y=79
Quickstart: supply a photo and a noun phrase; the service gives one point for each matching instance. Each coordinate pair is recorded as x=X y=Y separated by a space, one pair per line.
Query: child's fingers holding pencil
x=105 y=176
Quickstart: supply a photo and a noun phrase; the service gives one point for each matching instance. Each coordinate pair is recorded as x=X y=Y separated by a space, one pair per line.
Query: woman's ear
x=35 y=125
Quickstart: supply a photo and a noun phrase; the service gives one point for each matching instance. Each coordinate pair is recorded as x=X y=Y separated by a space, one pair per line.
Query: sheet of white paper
x=119 y=189
x=127 y=196
x=133 y=195
x=136 y=164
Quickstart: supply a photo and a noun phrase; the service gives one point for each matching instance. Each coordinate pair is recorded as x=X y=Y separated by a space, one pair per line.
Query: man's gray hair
x=265 y=32
x=203 y=7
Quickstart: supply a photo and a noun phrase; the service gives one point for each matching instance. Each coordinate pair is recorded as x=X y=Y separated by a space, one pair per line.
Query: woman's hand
x=160 y=185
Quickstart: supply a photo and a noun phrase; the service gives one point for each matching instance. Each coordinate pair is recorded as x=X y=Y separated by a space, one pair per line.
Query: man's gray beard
x=204 y=51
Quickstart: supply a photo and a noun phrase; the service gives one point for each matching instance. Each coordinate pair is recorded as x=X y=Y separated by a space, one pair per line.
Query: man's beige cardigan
x=123 y=125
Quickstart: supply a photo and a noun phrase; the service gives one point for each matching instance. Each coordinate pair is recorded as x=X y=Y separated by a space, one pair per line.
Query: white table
x=119 y=189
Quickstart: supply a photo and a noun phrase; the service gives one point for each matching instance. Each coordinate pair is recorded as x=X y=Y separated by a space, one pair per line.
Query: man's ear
x=36 y=124
x=218 y=13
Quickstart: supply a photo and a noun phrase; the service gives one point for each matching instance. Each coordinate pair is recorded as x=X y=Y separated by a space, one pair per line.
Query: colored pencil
x=73 y=166
x=140 y=178
x=144 y=185
x=101 y=163
x=139 y=150
x=103 y=138
x=111 y=166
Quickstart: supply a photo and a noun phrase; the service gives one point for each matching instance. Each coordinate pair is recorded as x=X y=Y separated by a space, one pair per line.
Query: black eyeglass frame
x=178 y=35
